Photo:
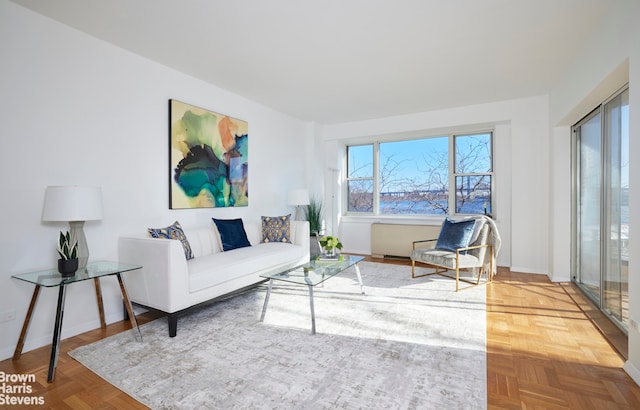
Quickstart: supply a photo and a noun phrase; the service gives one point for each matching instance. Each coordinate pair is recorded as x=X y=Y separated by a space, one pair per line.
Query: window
x=413 y=177
x=473 y=173
x=360 y=181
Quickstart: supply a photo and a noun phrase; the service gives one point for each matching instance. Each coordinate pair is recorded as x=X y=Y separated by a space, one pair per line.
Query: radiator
x=395 y=239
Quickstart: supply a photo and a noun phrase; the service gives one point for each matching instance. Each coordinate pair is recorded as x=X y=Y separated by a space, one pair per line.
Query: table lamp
x=297 y=198
x=74 y=204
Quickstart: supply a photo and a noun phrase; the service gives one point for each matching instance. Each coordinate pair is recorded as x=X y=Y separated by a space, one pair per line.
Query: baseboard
x=560 y=278
x=632 y=371
x=32 y=344
x=394 y=257
x=35 y=343
x=6 y=353
x=527 y=270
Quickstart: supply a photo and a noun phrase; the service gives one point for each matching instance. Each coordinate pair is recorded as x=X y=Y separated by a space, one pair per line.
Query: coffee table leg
x=359 y=278
x=266 y=300
x=55 y=344
x=313 y=313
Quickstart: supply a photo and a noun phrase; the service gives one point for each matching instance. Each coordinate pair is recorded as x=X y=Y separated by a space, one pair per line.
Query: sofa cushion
x=445 y=259
x=214 y=269
x=203 y=241
x=455 y=234
x=173 y=232
x=276 y=229
x=232 y=234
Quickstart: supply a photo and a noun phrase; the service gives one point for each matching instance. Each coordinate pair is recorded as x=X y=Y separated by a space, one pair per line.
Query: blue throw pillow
x=455 y=234
x=232 y=233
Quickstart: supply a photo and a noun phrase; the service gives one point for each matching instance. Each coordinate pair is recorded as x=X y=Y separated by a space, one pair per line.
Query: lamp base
x=77 y=234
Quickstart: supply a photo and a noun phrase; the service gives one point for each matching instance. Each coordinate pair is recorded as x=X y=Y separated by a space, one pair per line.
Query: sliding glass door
x=601 y=207
x=616 y=199
x=589 y=147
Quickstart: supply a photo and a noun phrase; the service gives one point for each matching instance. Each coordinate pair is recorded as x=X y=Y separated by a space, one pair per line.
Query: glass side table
x=51 y=278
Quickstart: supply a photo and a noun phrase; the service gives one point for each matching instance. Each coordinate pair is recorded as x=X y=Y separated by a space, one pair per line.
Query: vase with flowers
x=330 y=245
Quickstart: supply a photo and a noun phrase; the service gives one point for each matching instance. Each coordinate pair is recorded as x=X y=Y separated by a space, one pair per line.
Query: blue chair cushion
x=455 y=234
x=232 y=233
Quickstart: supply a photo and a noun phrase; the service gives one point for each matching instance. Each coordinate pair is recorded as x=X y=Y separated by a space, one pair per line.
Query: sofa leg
x=172 y=318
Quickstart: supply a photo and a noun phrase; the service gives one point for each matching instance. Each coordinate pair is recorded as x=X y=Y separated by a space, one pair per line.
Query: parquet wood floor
x=543 y=352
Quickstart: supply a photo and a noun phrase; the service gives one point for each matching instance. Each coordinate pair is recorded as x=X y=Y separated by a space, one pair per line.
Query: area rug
x=406 y=344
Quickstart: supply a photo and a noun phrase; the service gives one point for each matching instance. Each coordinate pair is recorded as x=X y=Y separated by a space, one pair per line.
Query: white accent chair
x=478 y=254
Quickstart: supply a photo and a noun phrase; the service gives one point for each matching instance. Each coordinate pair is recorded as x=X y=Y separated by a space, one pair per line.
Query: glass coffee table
x=311 y=274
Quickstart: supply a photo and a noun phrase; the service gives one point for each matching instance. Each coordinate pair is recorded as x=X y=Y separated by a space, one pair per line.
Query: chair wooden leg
x=413 y=271
x=480 y=272
x=490 y=279
x=443 y=272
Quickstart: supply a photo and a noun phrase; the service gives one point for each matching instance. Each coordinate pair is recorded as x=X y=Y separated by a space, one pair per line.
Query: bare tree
x=360 y=195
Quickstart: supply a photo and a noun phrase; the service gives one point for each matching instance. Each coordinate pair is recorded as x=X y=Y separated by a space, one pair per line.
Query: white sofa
x=170 y=283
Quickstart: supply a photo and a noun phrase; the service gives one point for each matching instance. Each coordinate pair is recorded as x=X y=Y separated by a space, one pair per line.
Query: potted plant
x=313 y=213
x=330 y=243
x=68 y=262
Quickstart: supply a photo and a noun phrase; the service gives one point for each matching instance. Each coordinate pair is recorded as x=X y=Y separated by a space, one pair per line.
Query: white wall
x=608 y=59
x=76 y=110
x=633 y=364
x=521 y=171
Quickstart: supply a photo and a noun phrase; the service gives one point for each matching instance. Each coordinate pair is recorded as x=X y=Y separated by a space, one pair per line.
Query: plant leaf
x=74 y=251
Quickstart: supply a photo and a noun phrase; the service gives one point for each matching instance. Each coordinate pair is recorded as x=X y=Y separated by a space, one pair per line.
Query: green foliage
x=329 y=242
x=313 y=213
x=66 y=250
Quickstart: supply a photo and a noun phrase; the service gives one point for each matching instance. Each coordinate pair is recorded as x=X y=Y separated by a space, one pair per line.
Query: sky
x=409 y=159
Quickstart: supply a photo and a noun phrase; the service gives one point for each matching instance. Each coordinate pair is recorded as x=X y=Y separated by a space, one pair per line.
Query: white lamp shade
x=299 y=197
x=72 y=203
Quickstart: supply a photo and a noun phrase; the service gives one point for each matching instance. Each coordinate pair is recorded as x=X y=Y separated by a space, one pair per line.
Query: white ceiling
x=343 y=60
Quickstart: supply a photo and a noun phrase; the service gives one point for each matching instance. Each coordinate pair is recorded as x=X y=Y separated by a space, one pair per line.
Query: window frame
x=452 y=198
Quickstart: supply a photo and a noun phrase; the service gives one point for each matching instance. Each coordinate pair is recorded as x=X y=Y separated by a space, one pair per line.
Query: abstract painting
x=208 y=158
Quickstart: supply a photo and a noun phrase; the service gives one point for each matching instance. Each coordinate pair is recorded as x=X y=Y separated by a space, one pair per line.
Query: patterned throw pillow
x=276 y=229
x=173 y=232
